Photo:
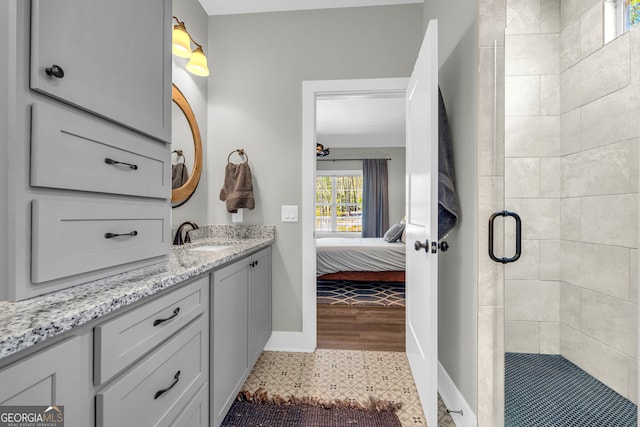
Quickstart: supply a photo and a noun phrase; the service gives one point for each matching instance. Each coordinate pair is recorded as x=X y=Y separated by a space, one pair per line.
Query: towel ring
x=240 y=152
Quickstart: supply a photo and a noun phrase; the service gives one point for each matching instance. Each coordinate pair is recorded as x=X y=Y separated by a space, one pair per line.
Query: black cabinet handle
x=518 y=237
x=175 y=313
x=112 y=235
x=159 y=393
x=55 y=71
x=115 y=162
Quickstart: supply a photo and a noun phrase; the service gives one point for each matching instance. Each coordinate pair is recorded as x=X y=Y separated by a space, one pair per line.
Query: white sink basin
x=210 y=248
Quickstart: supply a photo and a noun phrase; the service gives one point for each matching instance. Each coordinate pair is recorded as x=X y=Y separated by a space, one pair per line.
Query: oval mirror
x=186 y=146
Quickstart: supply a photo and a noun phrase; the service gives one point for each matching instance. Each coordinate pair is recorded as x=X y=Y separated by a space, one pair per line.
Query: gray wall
x=395 y=166
x=5 y=19
x=457 y=268
x=194 y=89
x=258 y=64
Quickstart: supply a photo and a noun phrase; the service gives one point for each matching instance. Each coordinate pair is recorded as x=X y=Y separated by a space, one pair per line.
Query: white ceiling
x=231 y=7
x=361 y=121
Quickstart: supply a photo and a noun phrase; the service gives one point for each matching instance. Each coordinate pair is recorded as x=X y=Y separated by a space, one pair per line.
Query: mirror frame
x=181 y=194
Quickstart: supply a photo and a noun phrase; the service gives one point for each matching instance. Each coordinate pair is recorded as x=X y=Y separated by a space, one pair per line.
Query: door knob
x=444 y=246
x=419 y=245
x=55 y=71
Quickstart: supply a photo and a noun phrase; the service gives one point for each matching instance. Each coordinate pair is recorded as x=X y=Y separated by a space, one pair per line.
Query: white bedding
x=335 y=254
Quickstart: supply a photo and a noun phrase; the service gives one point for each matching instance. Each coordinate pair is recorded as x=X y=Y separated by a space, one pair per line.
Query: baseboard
x=297 y=342
x=454 y=400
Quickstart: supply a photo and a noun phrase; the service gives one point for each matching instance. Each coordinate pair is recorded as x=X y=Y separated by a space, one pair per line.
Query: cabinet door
x=230 y=330
x=260 y=304
x=50 y=377
x=114 y=55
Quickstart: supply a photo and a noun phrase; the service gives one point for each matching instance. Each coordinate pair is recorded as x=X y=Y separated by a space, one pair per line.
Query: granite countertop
x=26 y=323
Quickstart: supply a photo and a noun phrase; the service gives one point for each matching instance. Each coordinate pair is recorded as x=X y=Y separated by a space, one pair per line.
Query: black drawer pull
x=112 y=235
x=159 y=393
x=55 y=71
x=115 y=162
x=175 y=313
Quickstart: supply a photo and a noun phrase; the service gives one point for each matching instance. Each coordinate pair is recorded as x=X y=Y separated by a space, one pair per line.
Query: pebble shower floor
x=548 y=390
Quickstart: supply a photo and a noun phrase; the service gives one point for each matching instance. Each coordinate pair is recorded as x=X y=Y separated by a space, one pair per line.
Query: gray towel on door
x=237 y=190
x=447 y=197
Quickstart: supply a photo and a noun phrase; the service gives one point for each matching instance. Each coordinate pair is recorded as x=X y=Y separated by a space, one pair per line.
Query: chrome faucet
x=177 y=240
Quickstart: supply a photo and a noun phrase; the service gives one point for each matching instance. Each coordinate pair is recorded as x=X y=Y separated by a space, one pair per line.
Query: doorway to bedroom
x=359 y=220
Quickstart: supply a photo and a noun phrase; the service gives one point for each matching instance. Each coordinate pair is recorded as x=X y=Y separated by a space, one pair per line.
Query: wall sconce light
x=181 y=46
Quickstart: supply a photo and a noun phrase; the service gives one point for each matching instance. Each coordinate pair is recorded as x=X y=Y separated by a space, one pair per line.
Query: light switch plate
x=289 y=213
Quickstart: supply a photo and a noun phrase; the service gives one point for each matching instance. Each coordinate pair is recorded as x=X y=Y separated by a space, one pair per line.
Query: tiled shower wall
x=571 y=172
x=587 y=96
x=599 y=197
x=532 y=174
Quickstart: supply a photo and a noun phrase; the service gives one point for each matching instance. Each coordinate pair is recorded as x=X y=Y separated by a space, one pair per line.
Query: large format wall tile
x=570 y=305
x=600 y=171
x=549 y=337
x=532 y=136
x=611 y=321
x=491 y=21
x=570 y=45
x=550 y=95
x=520 y=61
x=601 y=361
x=549 y=259
x=550 y=177
x=573 y=9
x=540 y=218
x=523 y=17
x=611 y=118
x=570 y=132
x=521 y=337
x=591 y=30
x=610 y=220
x=490 y=126
x=570 y=219
x=522 y=177
x=532 y=300
x=528 y=266
x=606 y=71
x=490 y=274
x=549 y=16
x=490 y=366
x=599 y=268
x=522 y=95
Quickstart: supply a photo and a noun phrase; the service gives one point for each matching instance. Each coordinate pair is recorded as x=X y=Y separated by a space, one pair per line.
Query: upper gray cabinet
x=110 y=58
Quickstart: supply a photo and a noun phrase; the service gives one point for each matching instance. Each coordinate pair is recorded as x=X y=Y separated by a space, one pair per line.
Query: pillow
x=394 y=233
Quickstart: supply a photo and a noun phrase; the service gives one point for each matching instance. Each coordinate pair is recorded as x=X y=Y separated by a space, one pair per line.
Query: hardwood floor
x=349 y=327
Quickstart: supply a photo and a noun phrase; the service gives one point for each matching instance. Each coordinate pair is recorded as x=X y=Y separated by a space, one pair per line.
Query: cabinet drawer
x=71 y=237
x=125 y=339
x=76 y=152
x=179 y=366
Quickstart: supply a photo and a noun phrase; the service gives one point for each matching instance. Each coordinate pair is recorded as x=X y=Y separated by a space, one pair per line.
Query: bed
x=339 y=254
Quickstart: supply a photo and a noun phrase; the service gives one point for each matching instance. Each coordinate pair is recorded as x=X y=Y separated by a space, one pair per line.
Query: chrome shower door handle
x=518 y=221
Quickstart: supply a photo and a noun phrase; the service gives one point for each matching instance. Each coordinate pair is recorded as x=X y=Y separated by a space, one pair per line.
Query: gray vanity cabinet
x=106 y=57
x=241 y=326
x=54 y=376
x=87 y=114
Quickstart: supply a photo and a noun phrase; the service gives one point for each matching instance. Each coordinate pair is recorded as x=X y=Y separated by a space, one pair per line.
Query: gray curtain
x=375 y=198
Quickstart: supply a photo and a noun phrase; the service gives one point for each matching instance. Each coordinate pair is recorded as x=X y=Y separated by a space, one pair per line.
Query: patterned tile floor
x=343 y=374
x=361 y=293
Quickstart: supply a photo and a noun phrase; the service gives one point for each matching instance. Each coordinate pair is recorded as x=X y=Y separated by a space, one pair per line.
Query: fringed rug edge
x=373 y=404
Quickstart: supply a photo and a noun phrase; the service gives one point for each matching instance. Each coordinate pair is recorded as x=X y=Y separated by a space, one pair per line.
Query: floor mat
x=243 y=414
x=383 y=294
x=548 y=390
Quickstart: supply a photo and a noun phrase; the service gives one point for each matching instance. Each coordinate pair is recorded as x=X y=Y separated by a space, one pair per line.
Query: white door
x=422 y=223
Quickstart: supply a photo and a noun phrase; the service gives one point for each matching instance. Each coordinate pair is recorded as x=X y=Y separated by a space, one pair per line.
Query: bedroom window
x=339 y=202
